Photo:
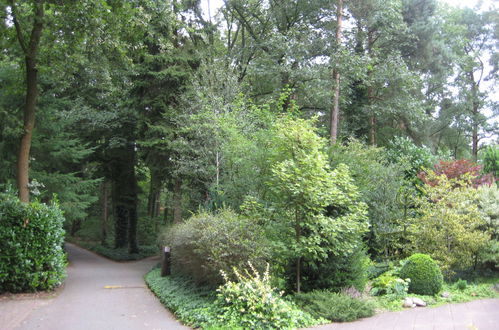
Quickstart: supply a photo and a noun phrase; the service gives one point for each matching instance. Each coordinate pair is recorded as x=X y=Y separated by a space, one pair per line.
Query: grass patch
x=120 y=254
x=480 y=289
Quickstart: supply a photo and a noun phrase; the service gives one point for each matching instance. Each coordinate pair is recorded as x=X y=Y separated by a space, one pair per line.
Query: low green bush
x=389 y=284
x=334 y=306
x=251 y=302
x=426 y=277
x=207 y=243
x=461 y=284
x=31 y=245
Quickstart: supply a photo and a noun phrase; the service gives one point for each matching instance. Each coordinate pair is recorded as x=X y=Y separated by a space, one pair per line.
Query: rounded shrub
x=31 y=239
x=208 y=243
x=426 y=277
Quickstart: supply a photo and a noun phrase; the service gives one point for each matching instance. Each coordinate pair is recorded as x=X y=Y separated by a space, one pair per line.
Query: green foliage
x=411 y=157
x=389 y=284
x=251 y=302
x=207 y=243
x=424 y=273
x=491 y=160
x=382 y=187
x=488 y=203
x=336 y=272
x=189 y=302
x=336 y=307
x=31 y=239
x=479 y=289
x=318 y=208
x=450 y=227
x=461 y=284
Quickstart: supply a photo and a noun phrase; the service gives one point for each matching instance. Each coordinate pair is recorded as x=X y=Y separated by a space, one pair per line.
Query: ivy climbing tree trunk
x=30 y=50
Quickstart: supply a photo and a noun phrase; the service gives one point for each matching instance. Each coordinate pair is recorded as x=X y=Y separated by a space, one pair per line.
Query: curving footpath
x=85 y=302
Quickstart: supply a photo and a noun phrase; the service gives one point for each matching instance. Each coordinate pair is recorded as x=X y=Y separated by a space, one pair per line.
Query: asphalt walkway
x=102 y=294
x=475 y=315
x=85 y=303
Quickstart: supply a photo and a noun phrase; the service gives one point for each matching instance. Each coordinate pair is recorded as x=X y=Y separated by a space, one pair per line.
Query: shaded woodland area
x=138 y=113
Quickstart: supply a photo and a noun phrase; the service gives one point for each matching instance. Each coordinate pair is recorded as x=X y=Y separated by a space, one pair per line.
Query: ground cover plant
x=190 y=302
x=337 y=307
x=480 y=288
x=249 y=303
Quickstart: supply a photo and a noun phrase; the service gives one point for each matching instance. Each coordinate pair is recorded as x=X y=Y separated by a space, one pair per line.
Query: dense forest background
x=138 y=113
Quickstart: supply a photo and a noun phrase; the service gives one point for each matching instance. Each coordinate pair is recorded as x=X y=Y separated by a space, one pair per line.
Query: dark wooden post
x=165 y=265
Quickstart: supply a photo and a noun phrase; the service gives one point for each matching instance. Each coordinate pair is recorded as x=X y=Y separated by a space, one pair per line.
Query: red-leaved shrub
x=457 y=169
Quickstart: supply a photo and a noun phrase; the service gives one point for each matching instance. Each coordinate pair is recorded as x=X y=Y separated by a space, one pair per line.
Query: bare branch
x=19 y=32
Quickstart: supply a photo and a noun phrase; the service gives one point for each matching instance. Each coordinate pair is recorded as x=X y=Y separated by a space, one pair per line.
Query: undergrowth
x=120 y=254
x=473 y=291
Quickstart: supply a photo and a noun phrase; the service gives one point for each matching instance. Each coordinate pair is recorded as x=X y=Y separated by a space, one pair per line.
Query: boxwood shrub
x=31 y=238
x=426 y=277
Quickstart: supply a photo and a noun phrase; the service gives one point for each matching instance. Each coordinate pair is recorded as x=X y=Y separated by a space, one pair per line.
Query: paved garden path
x=84 y=302
x=475 y=315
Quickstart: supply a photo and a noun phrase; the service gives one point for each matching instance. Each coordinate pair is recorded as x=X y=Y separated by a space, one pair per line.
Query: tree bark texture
x=153 y=202
x=335 y=111
x=30 y=51
x=105 y=212
x=474 y=116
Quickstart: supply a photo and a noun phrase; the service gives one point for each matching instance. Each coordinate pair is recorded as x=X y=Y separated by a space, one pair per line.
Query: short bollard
x=165 y=265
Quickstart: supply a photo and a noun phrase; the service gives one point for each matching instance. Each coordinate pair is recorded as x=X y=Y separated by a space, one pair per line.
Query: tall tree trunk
x=30 y=51
x=133 y=246
x=105 y=213
x=335 y=111
x=370 y=94
x=474 y=116
x=120 y=215
x=372 y=126
x=153 y=201
x=177 y=201
x=125 y=195
x=299 y=258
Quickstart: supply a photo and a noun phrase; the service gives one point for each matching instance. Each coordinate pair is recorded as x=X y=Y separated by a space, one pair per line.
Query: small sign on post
x=165 y=265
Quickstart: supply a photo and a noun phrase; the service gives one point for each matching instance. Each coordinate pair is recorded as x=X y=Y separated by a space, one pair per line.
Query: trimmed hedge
x=426 y=277
x=31 y=240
